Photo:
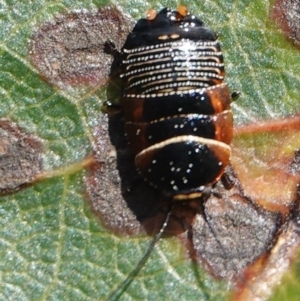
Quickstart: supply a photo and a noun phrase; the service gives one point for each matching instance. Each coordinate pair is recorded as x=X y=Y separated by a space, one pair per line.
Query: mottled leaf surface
x=52 y=245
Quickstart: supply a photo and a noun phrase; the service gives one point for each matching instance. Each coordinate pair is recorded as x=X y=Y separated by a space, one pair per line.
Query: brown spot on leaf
x=270 y=270
x=70 y=50
x=103 y=185
x=20 y=157
x=233 y=232
x=287 y=14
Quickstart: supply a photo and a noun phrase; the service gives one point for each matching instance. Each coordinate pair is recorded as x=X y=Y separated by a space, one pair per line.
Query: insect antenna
x=117 y=293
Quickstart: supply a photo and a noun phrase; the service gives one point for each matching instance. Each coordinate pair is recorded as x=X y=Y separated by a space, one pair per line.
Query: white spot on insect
x=174 y=36
x=163 y=37
x=191 y=165
x=138 y=132
x=189 y=152
x=172 y=182
x=220 y=163
x=149 y=170
x=149 y=137
x=175 y=187
x=188 y=170
x=195 y=129
x=175 y=126
x=153 y=161
x=181 y=126
x=171 y=163
x=184 y=180
x=178 y=169
x=179 y=109
x=173 y=169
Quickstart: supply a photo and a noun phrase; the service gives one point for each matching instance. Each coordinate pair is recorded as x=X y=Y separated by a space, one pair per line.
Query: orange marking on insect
x=151 y=14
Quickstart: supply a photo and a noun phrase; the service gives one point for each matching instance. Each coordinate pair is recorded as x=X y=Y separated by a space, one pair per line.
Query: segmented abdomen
x=177 y=109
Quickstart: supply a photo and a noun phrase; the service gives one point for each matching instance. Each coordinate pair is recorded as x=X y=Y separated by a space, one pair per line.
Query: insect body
x=175 y=103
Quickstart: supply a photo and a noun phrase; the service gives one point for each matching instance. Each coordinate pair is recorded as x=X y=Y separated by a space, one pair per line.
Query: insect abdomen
x=176 y=106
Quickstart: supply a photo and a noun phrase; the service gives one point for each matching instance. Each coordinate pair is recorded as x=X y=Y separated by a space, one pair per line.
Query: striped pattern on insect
x=175 y=103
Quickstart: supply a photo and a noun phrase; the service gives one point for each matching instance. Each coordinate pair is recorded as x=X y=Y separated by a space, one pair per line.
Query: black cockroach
x=176 y=106
x=175 y=103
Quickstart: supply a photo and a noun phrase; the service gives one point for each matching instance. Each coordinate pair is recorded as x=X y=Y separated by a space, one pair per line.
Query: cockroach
x=176 y=107
x=175 y=104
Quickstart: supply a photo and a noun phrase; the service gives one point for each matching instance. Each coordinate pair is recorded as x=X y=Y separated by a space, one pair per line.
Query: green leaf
x=52 y=246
